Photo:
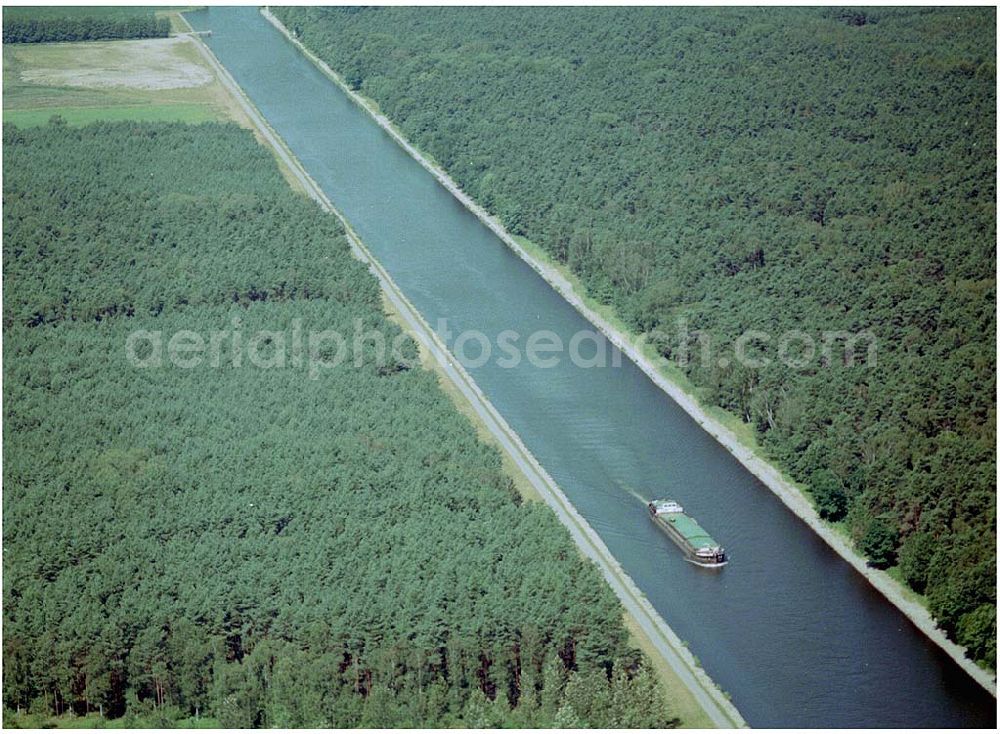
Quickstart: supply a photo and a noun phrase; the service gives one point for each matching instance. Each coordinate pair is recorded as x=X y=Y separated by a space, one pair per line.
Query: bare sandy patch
x=152 y=64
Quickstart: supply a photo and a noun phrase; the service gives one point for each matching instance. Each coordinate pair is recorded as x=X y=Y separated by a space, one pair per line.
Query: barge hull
x=699 y=547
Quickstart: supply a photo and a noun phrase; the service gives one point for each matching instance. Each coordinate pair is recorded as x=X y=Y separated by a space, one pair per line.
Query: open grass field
x=138 y=113
x=164 y=80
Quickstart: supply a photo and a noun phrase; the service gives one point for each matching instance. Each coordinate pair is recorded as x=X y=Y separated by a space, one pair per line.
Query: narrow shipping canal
x=788 y=628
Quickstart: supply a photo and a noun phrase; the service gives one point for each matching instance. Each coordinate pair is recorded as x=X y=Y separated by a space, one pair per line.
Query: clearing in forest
x=160 y=79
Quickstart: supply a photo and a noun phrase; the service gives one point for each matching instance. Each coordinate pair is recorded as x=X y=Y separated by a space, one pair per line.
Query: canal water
x=789 y=629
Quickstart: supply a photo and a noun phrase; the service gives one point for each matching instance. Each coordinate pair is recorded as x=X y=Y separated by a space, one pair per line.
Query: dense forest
x=744 y=169
x=249 y=544
x=82 y=23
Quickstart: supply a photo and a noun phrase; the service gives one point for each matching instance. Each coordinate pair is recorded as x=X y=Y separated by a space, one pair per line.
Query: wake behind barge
x=699 y=546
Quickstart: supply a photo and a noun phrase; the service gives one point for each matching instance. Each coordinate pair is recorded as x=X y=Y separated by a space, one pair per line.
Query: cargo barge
x=699 y=546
